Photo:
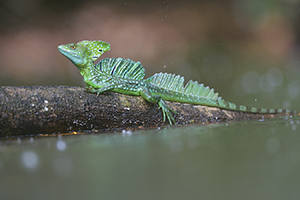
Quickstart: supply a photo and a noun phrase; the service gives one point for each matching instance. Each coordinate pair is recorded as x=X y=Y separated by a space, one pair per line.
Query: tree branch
x=61 y=109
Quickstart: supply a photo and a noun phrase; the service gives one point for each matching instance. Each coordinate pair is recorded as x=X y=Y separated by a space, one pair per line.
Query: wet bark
x=36 y=110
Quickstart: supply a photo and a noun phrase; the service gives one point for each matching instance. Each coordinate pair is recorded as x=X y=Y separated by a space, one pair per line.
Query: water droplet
x=61 y=145
x=30 y=160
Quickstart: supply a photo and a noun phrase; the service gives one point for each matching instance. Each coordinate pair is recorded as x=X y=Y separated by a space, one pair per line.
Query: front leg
x=146 y=94
x=100 y=90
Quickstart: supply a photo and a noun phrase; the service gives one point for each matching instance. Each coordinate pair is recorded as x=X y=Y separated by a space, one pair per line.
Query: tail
x=250 y=109
x=196 y=93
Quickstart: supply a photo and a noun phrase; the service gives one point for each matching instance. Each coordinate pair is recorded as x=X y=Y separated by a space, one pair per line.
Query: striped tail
x=196 y=93
x=250 y=109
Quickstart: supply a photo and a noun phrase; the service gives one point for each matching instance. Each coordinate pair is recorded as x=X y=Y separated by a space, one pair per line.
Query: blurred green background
x=247 y=50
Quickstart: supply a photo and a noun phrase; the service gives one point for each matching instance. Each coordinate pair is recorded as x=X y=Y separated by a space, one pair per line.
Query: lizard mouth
x=60 y=48
x=63 y=51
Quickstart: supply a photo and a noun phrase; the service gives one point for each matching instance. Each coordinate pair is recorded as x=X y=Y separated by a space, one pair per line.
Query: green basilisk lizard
x=127 y=77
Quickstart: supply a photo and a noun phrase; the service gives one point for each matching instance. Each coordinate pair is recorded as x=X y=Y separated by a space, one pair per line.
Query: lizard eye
x=72 y=47
x=100 y=50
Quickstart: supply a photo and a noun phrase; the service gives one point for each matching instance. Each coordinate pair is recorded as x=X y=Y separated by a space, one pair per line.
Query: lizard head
x=84 y=52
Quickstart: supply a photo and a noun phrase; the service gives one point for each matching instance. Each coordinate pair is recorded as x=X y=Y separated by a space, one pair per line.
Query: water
x=239 y=160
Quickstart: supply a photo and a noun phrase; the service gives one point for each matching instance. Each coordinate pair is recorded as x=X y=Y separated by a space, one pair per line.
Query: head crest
x=95 y=48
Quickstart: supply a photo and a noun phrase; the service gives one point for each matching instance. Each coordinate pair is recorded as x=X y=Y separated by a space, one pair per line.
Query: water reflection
x=61 y=145
x=63 y=166
x=1 y=165
x=281 y=166
x=126 y=132
x=293 y=124
x=251 y=159
x=176 y=145
x=193 y=142
x=272 y=145
x=30 y=160
x=294 y=127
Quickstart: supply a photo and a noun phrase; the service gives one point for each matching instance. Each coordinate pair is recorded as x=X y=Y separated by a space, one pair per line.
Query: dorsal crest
x=175 y=83
x=120 y=67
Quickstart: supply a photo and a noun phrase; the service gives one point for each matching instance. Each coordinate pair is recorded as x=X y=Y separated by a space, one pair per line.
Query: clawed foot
x=166 y=112
x=93 y=90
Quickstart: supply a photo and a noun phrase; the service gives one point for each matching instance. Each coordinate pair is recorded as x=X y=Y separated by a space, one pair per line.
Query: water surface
x=239 y=160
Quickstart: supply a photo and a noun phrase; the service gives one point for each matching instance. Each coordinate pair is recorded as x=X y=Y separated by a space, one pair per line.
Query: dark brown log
x=61 y=109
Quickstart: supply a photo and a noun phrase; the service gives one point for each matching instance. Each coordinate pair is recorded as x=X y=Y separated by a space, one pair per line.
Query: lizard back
x=123 y=68
x=176 y=84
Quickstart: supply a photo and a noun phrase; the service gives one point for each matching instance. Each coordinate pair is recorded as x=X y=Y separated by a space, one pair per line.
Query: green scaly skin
x=126 y=77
